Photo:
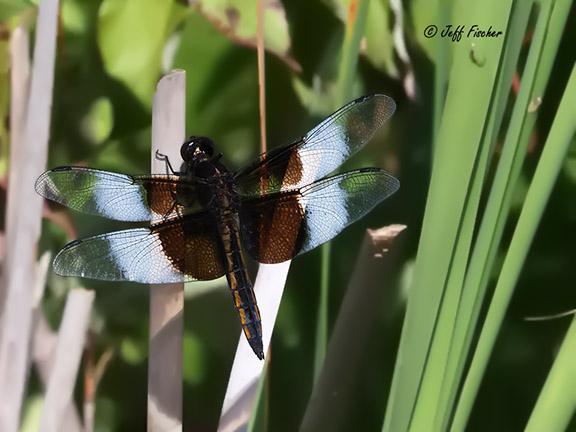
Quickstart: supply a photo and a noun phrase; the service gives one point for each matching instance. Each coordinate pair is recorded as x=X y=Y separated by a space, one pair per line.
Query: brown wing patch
x=169 y=197
x=272 y=228
x=276 y=170
x=292 y=169
x=192 y=245
x=161 y=196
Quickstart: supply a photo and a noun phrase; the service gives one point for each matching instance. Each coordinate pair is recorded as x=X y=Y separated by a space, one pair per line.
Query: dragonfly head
x=197 y=149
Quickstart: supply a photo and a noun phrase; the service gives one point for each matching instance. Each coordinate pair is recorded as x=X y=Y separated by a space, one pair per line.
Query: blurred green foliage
x=111 y=54
x=135 y=62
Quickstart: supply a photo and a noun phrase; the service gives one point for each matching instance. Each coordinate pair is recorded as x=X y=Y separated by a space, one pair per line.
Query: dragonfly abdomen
x=245 y=303
x=241 y=285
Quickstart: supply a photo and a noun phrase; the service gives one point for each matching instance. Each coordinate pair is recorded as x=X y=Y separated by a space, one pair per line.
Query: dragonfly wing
x=320 y=151
x=179 y=250
x=115 y=196
x=279 y=226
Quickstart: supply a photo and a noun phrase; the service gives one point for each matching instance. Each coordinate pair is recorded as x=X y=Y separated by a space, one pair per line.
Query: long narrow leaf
x=557 y=401
x=434 y=394
x=536 y=72
x=551 y=161
x=461 y=132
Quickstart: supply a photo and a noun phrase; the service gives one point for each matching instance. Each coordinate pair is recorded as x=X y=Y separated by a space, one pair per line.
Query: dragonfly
x=203 y=219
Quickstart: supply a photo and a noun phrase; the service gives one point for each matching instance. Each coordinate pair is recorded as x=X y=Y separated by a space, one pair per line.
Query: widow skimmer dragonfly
x=202 y=217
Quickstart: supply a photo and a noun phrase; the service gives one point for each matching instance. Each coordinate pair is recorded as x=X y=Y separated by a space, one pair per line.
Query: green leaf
x=131 y=37
x=379 y=40
x=10 y=8
x=200 y=41
x=133 y=351
x=555 y=407
x=4 y=102
x=545 y=41
x=32 y=413
x=438 y=384
x=195 y=365
x=237 y=20
x=379 y=43
x=570 y=165
x=74 y=17
x=98 y=122
x=444 y=218
x=425 y=13
x=318 y=99
x=549 y=165
x=339 y=7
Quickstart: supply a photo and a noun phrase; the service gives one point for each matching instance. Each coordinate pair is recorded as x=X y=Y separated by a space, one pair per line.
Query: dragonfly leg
x=163 y=157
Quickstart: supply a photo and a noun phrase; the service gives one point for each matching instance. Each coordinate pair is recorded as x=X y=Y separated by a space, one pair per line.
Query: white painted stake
x=22 y=239
x=247 y=369
x=71 y=337
x=45 y=341
x=19 y=89
x=166 y=301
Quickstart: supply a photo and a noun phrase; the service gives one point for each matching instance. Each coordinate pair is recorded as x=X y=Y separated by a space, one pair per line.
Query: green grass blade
x=322 y=316
x=557 y=401
x=355 y=29
x=432 y=390
x=446 y=388
x=536 y=73
x=433 y=394
x=442 y=65
x=459 y=139
x=551 y=161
